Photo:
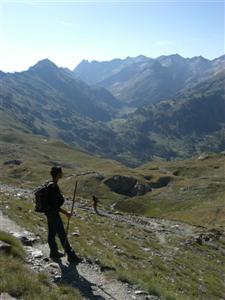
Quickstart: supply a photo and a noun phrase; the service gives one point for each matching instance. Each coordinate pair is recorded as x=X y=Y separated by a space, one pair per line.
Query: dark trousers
x=55 y=226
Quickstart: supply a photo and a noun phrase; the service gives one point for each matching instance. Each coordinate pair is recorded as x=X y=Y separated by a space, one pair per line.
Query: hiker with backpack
x=51 y=206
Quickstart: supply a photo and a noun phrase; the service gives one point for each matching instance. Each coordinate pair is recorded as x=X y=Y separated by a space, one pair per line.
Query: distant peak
x=220 y=58
x=84 y=61
x=174 y=56
x=84 y=64
x=199 y=58
x=141 y=56
x=135 y=57
x=44 y=63
x=169 y=60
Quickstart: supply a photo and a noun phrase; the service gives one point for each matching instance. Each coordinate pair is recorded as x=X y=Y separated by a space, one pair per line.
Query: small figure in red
x=95 y=204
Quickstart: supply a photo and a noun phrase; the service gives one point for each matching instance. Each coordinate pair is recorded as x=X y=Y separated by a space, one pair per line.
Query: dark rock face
x=128 y=186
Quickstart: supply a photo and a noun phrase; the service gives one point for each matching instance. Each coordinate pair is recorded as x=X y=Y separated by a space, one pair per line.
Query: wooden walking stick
x=71 y=213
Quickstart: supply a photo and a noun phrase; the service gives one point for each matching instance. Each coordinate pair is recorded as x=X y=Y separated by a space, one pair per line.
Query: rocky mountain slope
x=47 y=100
x=141 y=80
x=55 y=93
x=95 y=71
x=177 y=128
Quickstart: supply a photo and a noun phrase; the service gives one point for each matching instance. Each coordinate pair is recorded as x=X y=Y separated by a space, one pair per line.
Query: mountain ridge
x=149 y=80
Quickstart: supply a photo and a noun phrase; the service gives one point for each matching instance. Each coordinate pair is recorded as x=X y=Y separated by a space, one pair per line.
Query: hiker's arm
x=65 y=212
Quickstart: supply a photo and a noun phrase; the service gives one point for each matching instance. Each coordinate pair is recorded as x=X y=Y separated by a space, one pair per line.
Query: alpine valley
x=132 y=110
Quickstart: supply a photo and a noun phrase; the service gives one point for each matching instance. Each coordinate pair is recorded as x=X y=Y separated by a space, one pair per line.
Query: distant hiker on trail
x=95 y=204
x=55 y=225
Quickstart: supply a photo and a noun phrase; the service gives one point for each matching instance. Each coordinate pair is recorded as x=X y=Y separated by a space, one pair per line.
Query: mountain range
x=178 y=106
x=141 y=80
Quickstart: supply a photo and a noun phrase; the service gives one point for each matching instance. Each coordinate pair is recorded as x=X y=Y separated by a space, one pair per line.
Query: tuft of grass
x=16 y=249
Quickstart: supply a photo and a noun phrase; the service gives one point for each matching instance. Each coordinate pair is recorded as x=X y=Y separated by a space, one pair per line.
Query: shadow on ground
x=71 y=276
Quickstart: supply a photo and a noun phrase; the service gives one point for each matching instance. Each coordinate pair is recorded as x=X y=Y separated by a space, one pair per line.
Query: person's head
x=56 y=172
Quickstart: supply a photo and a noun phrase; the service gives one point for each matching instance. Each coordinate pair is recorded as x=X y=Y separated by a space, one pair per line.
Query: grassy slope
x=172 y=270
x=194 y=194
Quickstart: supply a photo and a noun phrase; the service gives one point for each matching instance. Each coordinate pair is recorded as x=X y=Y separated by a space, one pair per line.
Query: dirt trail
x=162 y=228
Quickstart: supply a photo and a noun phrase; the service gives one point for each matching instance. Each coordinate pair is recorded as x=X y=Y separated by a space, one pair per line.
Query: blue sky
x=67 y=32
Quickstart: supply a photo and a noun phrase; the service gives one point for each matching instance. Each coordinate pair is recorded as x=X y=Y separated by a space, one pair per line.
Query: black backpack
x=41 y=197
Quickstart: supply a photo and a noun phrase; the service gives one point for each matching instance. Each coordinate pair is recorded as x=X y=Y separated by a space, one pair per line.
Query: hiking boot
x=56 y=254
x=73 y=258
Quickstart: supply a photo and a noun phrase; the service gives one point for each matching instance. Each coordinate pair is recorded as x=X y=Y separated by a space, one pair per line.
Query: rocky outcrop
x=131 y=186
x=128 y=186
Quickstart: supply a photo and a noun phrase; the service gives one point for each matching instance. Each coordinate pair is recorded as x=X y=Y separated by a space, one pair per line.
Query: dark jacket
x=55 y=199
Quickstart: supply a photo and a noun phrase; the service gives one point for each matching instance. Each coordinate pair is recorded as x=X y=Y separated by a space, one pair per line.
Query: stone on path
x=37 y=253
x=140 y=293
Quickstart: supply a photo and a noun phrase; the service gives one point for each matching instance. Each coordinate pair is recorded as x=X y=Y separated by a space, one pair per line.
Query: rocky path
x=86 y=277
x=161 y=227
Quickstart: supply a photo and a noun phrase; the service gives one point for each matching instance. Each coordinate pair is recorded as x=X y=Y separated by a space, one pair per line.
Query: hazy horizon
x=92 y=60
